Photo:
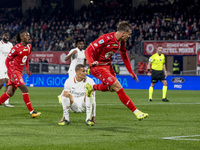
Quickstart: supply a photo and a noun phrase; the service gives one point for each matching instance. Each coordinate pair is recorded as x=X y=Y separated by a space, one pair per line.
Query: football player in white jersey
x=77 y=57
x=5 y=47
x=74 y=97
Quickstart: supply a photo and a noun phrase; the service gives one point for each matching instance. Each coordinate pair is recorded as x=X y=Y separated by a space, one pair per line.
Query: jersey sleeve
x=151 y=58
x=12 y=53
x=95 y=45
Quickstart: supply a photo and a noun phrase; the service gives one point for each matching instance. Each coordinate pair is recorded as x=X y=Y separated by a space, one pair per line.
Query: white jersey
x=4 y=50
x=77 y=89
x=76 y=59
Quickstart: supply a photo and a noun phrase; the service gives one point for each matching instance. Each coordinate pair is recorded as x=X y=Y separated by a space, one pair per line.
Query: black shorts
x=157 y=75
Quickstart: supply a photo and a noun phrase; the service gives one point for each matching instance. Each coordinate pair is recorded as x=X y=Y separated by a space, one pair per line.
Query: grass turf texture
x=117 y=127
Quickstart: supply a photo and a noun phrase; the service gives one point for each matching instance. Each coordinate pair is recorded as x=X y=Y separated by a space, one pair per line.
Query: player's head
x=5 y=37
x=23 y=36
x=80 y=44
x=124 y=29
x=81 y=71
x=159 y=49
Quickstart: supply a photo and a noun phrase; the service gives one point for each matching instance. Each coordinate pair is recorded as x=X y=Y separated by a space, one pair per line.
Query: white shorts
x=78 y=106
x=3 y=74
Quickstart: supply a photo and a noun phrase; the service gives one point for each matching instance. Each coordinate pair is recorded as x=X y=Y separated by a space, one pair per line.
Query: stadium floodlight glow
x=91 y=2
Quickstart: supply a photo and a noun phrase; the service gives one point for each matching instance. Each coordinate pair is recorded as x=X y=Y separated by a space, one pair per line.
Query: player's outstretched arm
x=70 y=55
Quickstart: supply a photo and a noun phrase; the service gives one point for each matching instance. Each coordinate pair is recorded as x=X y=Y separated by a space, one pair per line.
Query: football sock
x=4 y=97
x=164 y=92
x=94 y=105
x=7 y=101
x=101 y=87
x=89 y=101
x=150 y=92
x=66 y=106
x=126 y=100
x=27 y=101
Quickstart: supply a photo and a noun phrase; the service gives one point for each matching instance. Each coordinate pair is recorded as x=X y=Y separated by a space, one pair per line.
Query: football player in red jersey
x=99 y=56
x=15 y=62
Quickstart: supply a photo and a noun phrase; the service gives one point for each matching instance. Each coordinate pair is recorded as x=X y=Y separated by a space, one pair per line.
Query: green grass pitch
x=170 y=126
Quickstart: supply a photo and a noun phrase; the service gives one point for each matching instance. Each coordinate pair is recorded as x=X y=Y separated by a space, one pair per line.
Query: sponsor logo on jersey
x=116 y=45
x=13 y=51
x=25 y=50
x=108 y=45
x=101 y=41
x=109 y=54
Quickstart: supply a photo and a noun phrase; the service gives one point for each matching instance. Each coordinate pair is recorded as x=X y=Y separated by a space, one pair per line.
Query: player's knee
x=116 y=86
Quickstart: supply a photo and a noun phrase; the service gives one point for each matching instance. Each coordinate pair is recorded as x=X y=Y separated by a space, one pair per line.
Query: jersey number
x=24 y=59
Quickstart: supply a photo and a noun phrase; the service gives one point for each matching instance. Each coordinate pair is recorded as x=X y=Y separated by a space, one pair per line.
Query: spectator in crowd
x=141 y=67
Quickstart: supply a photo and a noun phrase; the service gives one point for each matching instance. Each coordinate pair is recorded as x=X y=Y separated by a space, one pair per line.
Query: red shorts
x=104 y=73
x=18 y=79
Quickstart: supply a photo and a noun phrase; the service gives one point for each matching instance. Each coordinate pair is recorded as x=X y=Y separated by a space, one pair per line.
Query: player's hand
x=149 y=73
x=165 y=74
x=134 y=77
x=28 y=72
x=95 y=63
x=13 y=77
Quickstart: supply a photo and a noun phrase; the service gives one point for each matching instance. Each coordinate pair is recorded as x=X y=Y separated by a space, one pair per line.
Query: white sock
x=7 y=101
x=94 y=105
x=31 y=111
x=89 y=102
x=66 y=105
x=136 y=111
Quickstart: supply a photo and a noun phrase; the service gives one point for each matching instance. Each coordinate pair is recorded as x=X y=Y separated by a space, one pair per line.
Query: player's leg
x=66 y=107
x=9 y=93
x=27 y=101
x=164 y=91
x=116 y=86
x=89 y=105
x=6 y=103
x=94 y=108
x=151 y=92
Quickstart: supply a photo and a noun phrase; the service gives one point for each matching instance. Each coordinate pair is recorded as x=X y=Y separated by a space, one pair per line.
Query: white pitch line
x=182 y=138
x=55 y=104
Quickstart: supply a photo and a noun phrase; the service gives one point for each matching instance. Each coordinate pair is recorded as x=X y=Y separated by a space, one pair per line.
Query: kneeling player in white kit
x=74 y=97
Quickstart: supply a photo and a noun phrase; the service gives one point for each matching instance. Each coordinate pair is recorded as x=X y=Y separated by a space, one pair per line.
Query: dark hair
x=79 y=66
x=159 y=46
x=18 y=35
x=124 y=26
x=79 y=40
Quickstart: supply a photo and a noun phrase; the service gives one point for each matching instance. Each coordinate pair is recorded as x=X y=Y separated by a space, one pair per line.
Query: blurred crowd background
x=55 y=27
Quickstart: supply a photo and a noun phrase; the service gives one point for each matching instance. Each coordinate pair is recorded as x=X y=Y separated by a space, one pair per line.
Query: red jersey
x=104 y=47
x=18 y=57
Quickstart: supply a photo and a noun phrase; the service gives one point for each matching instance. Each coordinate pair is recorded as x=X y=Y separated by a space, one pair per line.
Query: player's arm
x=12 y=54
x=97 y=44
x=68 y=95
x=126 y=60
x=70 y=55
x=149 y=68
x=165 y=70
x=27 y=68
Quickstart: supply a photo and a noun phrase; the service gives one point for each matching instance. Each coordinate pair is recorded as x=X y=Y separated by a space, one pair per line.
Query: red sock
x=126 y=100
x=101 y=87
x=4 y=97
x=27 y=101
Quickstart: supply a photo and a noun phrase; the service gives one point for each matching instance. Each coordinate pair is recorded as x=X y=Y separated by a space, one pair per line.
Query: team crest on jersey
x=13 y=51
x=95 y=44
x=101 y=41
x=160 y=59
